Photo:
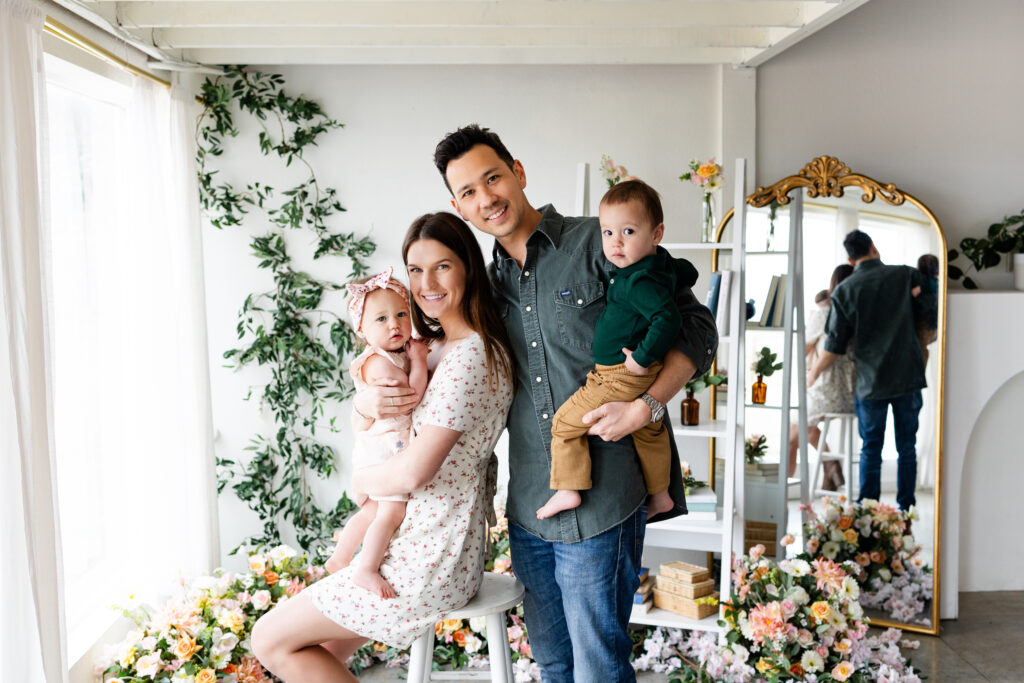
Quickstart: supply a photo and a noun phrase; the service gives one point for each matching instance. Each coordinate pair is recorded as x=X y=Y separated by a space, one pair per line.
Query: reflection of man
x=549 y=275
x=874 y=309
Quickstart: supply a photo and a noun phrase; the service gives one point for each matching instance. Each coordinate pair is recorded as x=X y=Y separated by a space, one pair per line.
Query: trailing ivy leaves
x=283 y=329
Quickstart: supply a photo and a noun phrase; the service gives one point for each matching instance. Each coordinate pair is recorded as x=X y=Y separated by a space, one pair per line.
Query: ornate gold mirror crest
x=824 y=181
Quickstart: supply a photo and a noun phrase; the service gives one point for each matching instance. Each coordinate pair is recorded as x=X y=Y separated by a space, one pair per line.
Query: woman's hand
x=632 y=365
x=385 y=398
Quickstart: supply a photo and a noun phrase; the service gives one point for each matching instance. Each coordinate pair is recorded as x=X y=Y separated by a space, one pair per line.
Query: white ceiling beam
x=469 y=55
x=819 y=22
x=482 y=37
x=455 y=13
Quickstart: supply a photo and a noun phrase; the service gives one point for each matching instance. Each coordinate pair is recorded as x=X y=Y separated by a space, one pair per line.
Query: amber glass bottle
x=690 y=410
x=759 y=392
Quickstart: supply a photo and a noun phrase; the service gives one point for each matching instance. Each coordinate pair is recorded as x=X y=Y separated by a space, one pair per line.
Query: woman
x=833 y=391
x=435 y=560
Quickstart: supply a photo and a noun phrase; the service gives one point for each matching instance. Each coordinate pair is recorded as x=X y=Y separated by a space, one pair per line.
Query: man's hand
x=385 y=398
x=613 y=421
x=632 y=365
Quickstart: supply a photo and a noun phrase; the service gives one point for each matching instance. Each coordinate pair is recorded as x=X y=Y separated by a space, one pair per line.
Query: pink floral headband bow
x=357 y=295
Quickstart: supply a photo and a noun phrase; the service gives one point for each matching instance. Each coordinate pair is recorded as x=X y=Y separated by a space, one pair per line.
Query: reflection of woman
x=435 y=560
x=833 y=392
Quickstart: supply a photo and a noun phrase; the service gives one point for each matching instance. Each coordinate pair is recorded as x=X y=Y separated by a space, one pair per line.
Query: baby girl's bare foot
x=562 y=500
x=373 y=582
x=659 y=502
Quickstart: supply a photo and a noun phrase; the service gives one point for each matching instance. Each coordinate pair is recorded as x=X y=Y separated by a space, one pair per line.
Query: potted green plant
x=755 y=448
x=1005 y=237
x=764 y=366
x=690 y=408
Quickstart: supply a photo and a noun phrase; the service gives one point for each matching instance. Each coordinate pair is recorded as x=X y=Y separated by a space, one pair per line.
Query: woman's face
x=437 y=280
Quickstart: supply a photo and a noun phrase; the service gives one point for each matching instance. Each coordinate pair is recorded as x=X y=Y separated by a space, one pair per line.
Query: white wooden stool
x=498 y=594
x=844 y=453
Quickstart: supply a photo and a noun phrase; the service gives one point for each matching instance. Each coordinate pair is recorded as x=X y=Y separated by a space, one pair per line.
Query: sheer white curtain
x=132 y=408
x=32 y=643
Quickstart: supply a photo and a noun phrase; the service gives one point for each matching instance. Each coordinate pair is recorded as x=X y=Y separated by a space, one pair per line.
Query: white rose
x=281 y=553
x=261 y=599
x=478 y=624
x=257 y=563
x=148 y=665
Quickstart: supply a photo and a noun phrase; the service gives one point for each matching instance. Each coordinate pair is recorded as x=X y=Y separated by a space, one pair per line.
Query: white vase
x=1018 y=271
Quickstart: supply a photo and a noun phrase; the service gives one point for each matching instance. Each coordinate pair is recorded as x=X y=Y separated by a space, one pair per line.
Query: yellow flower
x=763 y=665
x=850 y=536
x=128 y=657
x=707 y=170
x=842 y=671
x=206 y=676
x=820 y=610
x=185 y=647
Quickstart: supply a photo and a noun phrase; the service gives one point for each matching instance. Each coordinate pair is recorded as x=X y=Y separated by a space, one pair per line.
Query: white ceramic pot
x=1018 y=271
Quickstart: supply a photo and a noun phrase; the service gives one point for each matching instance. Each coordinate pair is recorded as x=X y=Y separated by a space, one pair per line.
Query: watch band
x=657 y=407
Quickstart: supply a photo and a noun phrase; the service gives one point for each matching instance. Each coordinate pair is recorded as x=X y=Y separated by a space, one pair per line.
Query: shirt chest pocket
x=577 y=309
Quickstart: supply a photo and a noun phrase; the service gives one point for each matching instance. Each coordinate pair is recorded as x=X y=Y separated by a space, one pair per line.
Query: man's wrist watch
x=657 y=407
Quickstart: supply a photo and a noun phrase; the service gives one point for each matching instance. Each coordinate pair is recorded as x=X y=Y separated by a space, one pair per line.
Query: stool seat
x=843 y=454
x=498 y=593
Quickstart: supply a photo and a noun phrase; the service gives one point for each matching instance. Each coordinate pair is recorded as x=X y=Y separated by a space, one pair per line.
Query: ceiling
x=741 y=33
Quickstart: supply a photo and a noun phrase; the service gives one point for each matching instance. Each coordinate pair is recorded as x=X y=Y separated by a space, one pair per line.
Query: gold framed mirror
x=902 y=228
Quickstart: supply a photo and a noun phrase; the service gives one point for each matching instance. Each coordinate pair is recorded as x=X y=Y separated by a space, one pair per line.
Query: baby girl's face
x=386 y=323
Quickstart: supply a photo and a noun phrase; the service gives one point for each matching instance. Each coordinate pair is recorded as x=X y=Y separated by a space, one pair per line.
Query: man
x=875 y=310
x=549 y=276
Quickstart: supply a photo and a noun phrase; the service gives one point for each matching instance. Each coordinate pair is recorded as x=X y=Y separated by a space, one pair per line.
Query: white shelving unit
x=725 y=534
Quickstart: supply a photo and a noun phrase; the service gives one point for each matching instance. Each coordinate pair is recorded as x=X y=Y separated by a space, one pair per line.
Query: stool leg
x=421 y=657
x=497 y=649
x=848 y=422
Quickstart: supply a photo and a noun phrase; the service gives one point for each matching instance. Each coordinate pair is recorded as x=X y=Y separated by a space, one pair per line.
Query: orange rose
x=850 y=536
x=460 y=638
x=797 y=670
x=185 y=647
x=206 y=676
x=270 y=577
x=845 y=522
x=707 y=170
x=877 y=556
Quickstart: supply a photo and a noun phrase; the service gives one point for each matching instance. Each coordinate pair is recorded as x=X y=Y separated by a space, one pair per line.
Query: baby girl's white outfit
x=386 y=436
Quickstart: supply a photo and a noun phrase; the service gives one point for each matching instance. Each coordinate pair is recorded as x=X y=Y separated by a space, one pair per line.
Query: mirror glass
x=899 y=569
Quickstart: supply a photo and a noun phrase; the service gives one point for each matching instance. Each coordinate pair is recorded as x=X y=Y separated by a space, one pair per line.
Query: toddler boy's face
x=627 y=235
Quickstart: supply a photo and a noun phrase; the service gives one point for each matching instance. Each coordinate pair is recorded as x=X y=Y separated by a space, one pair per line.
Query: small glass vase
x=690 y=410
x=759 y=392
x=707 y=218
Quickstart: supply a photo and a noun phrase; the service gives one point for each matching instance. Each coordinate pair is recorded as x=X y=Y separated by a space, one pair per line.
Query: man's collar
x=869 y=263
x=550 y=226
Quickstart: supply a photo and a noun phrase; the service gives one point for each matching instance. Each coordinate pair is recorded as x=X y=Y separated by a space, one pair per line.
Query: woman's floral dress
x=833 y=391
x=435 y=561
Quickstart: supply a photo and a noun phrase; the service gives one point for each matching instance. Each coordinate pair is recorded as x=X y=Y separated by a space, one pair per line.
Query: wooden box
x=684 y=572
x=685 y=606
x=686 y=590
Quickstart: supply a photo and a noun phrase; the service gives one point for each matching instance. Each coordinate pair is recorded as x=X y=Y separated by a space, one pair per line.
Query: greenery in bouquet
x=202 y=634
x=613 y=173
x=755 y=448
x=891 y=568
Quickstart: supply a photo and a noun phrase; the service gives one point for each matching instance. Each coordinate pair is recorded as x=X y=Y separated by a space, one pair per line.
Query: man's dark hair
x=454 y=145
x=928 y=264
x=637 y=191
x=858 y=245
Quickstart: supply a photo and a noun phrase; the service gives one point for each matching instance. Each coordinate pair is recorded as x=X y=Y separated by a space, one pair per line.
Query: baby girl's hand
x=416 y=349
x=632 y=365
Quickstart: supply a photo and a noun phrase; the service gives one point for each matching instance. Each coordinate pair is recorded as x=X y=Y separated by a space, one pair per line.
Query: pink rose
x=261 y=599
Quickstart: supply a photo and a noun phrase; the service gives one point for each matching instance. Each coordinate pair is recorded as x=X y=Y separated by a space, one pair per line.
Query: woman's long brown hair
x=478 y=306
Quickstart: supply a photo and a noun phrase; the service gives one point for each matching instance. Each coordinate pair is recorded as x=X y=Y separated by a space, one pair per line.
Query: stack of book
x=717 y=300
x=760 y=532
x=774 y=303
x=764 y=472
x=685 y=589
x=701 y=503
x=645 y=593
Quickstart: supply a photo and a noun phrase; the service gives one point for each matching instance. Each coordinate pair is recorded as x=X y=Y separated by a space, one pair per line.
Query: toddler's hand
x=632 y=365
x=416 y=349
x=914 y=292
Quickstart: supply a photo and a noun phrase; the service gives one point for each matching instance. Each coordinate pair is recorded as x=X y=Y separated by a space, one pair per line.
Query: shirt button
x=545 y=416
x=529 y=308
x=533 y=344
x=526 y=273
x=579 y=301
x=540 y=379
x=612 y=281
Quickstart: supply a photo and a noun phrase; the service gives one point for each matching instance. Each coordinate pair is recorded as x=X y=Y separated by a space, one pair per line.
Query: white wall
x=652 y=119
x=921 y=93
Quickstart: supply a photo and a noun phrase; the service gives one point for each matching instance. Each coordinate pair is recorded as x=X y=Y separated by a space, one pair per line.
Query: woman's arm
x=408 y=469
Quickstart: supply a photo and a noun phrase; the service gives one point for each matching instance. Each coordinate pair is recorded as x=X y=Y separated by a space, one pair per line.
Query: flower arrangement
x=707 y=175
x=202 y=635
x=764 y=364
x=791 y=621
x=891 y=569
x=755 y=448
x=689 y=481
x=611 y=172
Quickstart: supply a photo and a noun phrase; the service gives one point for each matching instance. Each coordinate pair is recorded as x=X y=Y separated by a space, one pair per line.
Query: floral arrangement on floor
x=791 y=621
x=202 y=634
x=755 y=448
x=891 y=569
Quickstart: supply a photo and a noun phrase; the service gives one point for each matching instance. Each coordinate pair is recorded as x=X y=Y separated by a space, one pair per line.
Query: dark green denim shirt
x=874 y=310
x=550 y=307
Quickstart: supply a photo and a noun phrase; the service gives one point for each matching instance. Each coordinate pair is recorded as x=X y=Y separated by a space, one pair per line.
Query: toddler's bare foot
x=336 y=562
x=562 y=500
x=373 y=582
x=659 y=502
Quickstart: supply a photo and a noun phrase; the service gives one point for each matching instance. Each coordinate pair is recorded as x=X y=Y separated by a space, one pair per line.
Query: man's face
x=487 y=193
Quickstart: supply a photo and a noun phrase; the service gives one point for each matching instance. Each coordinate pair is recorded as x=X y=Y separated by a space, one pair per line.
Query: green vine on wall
x=283 y=329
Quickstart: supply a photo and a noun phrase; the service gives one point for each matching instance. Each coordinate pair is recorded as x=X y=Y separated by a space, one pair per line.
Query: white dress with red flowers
x=435 y=560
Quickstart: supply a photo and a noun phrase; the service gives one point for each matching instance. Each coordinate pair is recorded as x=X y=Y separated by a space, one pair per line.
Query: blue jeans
x=578 y=599
x=871 y=416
